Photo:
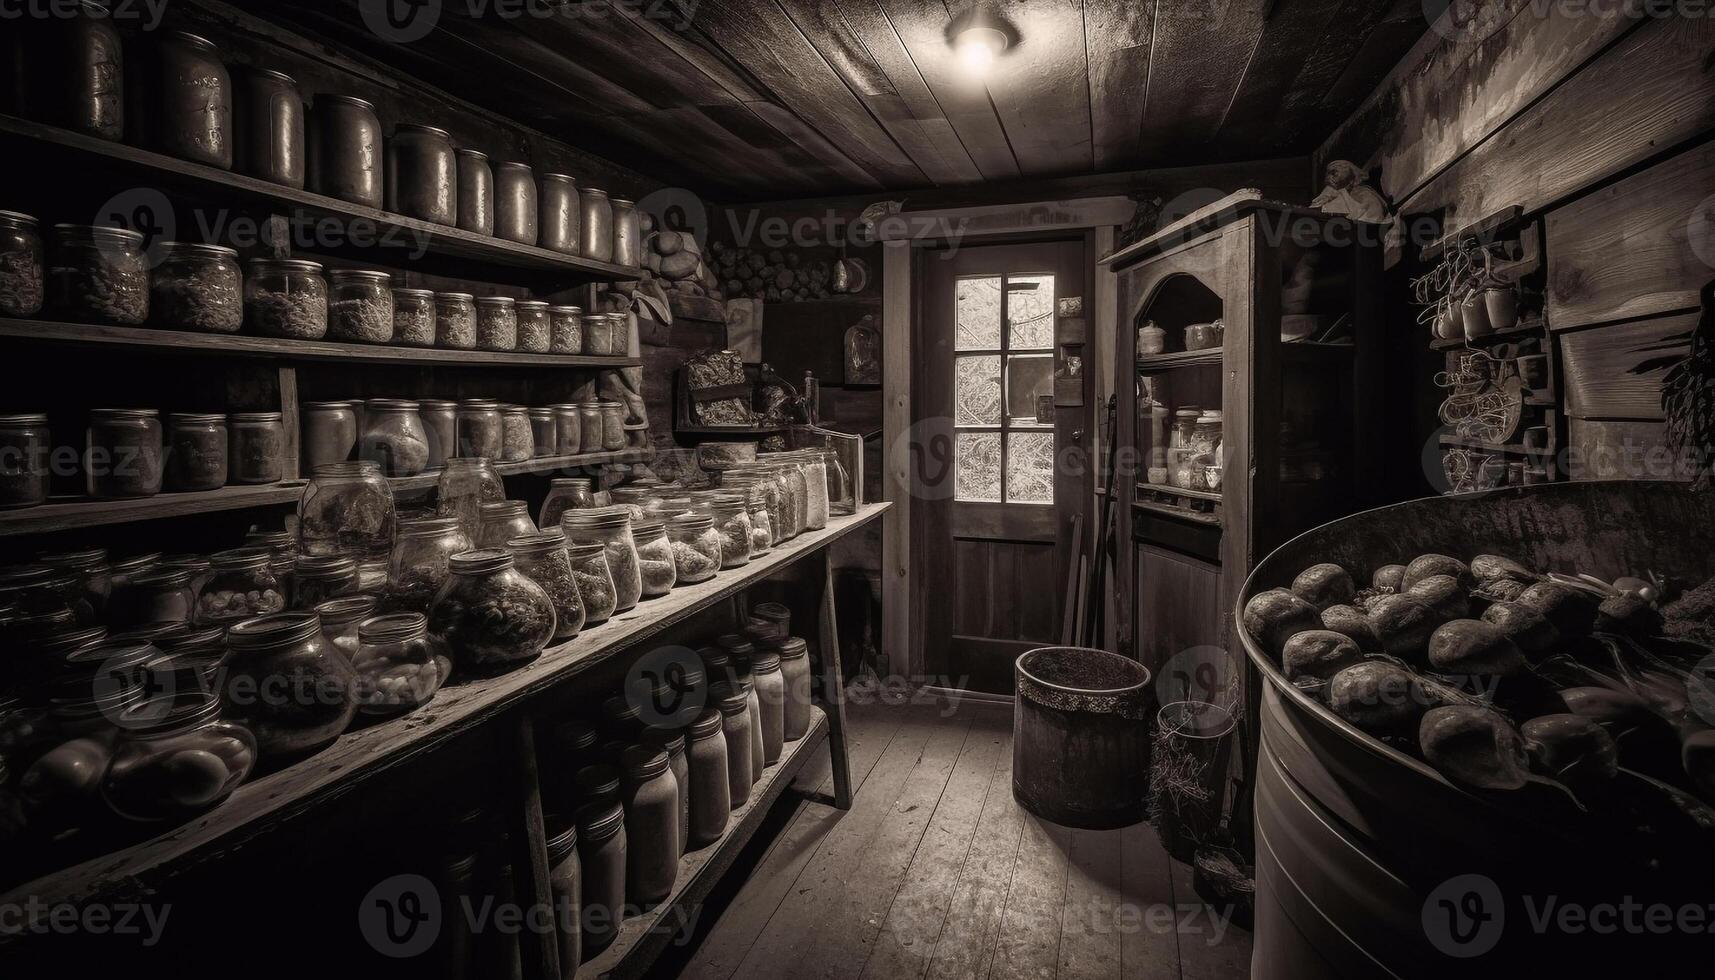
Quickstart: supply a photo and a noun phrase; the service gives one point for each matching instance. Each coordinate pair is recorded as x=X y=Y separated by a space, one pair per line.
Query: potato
x=1424 y=566
x=1489 y=568
x=669 y=243
x=1324 y=585
x=1571 y=747
x=646 y=222
x=1377 y=697
x=1606 y=705
x=1500 y=590
x=1471 y=646
x=1404 y=624
x=1628 y=614
x=1318 y=653
x=1350 y=621
x=1388 y=578
x=1444 y=593
x=1275 y=616
x=1527 y=627
x=1572 y=612
x=679 y=265
x=1474 y=746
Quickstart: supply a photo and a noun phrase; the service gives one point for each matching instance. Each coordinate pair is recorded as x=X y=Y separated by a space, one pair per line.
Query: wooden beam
x=896 y=344
x=1117 y=39
x=921 y=26
x=1040 y=88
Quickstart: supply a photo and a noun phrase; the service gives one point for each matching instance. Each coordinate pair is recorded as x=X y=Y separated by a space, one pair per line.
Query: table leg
x=833 y=685
x=541 y=949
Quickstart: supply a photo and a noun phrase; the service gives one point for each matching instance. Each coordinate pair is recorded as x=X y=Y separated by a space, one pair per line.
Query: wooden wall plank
x=1297 y=30
x=902 y=656
x=1117 y=35
x=1627 y=250
x=1040 y=88
x=1621 y=450
x=1199 y=55
x=921 y=27
x=1615 y=372
x=1357 y=27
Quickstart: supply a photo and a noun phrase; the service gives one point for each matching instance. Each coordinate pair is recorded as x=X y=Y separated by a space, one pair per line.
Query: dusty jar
x=535 y=333
x=560 y=213
x=414 y=317
x=599 y=334
x=595 y=581
x=515 y=203
x=421 y=179
x=440 y=424
x=345 y=158
x=475 y=191
x=329 y=433
x=489 y=614
x=589 y=427
x=651 y=826
x=602 y=847
x=319 y=578
x=24 y=450
x=517 y=439
x=654 y=557
x=22 y=265
x=612 y=427
x=480 y=432
x=503 y=520
x=455 y=321
x=627 y=233
x=98 y=275
x=466 y=483
x=673 y=743
x=731 y=515
x=566 y=326
x=270 y=120
x=197 y=287
x=544 y=433
x=288 y=684
x=565 y=884
x=542 y=556
x=286 y=298
x=399 y=668
x=696 y=547
x=568 y=433
x=709 y=785
x=597 y=224
x=735 y=725
x=196 y=452
x=241 y=584
x=194 y=108
x=794 y=656
x=360 y=306
x=347 y=510
x=257 y=452
x=124 y=453
x=77 y=74
x=564 y=493
x=611 y=528
x=770 y=686
x=418 y=566
x=496 y=324
x=176 y=757
x=394 y=437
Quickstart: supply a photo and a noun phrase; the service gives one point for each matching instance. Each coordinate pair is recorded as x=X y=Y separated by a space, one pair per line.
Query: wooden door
x=1000 y=426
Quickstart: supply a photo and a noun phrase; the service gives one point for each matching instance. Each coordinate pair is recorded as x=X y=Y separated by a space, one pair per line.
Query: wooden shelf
x=393 y=233
x=1526 y=329
x=1180 y=359
x=1180 y=513
x=642 y=938
x=273 y=800
x=240 y=345
x=1509 y=449
x=60 y=514
x=1211 y=495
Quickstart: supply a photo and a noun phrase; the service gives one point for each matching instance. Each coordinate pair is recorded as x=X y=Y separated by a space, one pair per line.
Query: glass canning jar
x=346 y=158
x=418 y=567
x=455 y=321
x=535 y=332
x=340 y=618
x=503 y=520
x=241 y=584
x=329 y=432
x=196 y=452
x=160 y=595
x=414 y=317
x=655 y=563
x=589 y=427
x=566 y=327
x=480 y=431
x=22 y=265
x=288 y=684
x=394 y=437
x=98 y=275
x=197 y=287
x=557 y=227
x=595 y=581
x=517 y=441
x=124 y=454
x=77 y=67
x=194 y=100
x=610 y=527
x=475 y=209
x=360 y=306
x=399 y=668
x=490 y=614
x=89 y=567
x=627 y=233
x=496 y=323
x=270 y=117
x=318 y=578
x=568 y=430
x=25 y=443
x=598 y=334
x=544 y=432
x=731 y=515
x=596 y=224
x=347 y=510
x=286 y=298
x=612 y=427
x=126 y=570
x=564 y=493
x=696 y=547
x=258 y=447
x=542 y=556
x=422 y=179
x=651 y=825
x=634 y=498
x=466 y=483
x=176 y=757
x=809 y=485
x=440 y=424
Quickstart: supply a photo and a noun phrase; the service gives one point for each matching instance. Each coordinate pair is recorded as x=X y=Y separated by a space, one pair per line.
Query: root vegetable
x=1471 y=646
x=1491 y=568
x=1628 y=614
x=1351 y=622
x=1606 y=705
x=1474 y=747
x=1318 y=654
x=1500 y=590
x=680 y=265
x=1388 y=578
x=669 y=243
x=1377 y=697
x=1571 y=747
x=1572 y=612
x=1324 y=585
x=1403 y=624
x=1444 y=593
x=1424 y=566
x=1533 y=633
x=1275 y=616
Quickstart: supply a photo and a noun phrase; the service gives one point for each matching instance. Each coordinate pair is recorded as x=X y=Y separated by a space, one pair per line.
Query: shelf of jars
x=270 y=800
x=161 y=340
x=404 y=235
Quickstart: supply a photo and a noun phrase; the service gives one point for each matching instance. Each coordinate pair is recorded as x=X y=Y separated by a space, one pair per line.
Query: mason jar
x=414 y=317
x=655 y=563
x=568 y=429
x=340 y=618
x=421 y=174
x=91 y=574
x=611 y=528
x=394 y=437
x=25 y=445
x=612 y=427
x=566 y=325
x=535 y=333
x=475 y=191
x=241 y=584
x=440 y=423
x=594 y=579
x=176 y=757
x=318 y=578
x=347 y=509
x=271 y=127
x=564 y=493
x=286 y=298
x=418 y=566
x=466 y=483
x=515 y=213
x=399 y=667
x=696 y=547
x=76 y=73
x=560 y=214
x=627 y=233
x=124 y=453
x=257 y=451
x=345 y=159
x=597 y=224
x=544 y=432
x=496 y=324
x=22 y=265
x=329 y=432
x=489 y=614
x=99 y=275
x=194 y=93
x=503 y=520
x=197 y=287
x=360 y=306
x=455 y=321
x=517 y=440
x=731 y=515
x=542 y=556
x=480 y=431
x=288 y=684
x=598 y=334
x=196 y=452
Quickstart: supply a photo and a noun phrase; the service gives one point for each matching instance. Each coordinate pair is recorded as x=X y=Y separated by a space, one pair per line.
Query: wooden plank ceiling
x=756 y=99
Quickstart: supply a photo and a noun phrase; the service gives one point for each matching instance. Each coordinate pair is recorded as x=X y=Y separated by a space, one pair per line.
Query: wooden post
x=833 y=685
x=540 y=948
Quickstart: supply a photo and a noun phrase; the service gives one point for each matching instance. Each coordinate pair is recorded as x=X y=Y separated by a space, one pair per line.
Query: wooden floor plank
x=1093 y=917
x=919 y=910
x=1029 y=945
x=1149 y=950
x=1210 y=946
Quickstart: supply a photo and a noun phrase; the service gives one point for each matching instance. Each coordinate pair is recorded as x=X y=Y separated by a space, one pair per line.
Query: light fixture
x=978 y=47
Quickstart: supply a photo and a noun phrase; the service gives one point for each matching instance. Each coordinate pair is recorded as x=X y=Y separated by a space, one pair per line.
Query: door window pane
x=1030 y=467
x=1027 y=377
x=1030 y=312
x=976 y=306
x=976 y=390
x=978 y=473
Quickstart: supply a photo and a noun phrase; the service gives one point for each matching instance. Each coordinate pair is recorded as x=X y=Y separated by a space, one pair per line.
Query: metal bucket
x=1080 y=746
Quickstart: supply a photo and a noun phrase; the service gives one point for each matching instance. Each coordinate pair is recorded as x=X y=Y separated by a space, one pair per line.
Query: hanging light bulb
x=978 y=47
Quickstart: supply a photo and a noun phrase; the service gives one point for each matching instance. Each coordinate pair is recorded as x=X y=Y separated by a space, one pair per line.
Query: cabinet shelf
x=1211 y=495
x=1525 y=329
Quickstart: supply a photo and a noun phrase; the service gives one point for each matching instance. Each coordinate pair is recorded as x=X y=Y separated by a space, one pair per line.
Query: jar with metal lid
x=544 y=433
x=597 y=224
x=455 y=321
x=394 y=437
x=475 y=191
x=258 y=447
x=126 y=570
x=535 y=332
x=634 y=498
x=286 y=298
x=560 y=214
x=191 y=659
x=123 y=458
x=503 y=520
x=602 y=857
x=598 y=333
x=345 y=158
x=418 y=566
x=92 y=579
x=196 y=452
x=517 y=439
x=399 y=668
x=708 y=783
x=197 y=287
x=651 y=825
x=440 y=425
x=564 y=493
x=194 y=118
x=480 y=431
x=98 y=275
x=347 y=510
x=594 y=579
x=731 y=516
x=25 y=444
x=74 y=73
x=696 y=547
x=734 y=707
x=562 y=422
x=611 y=528
x=566 y=326
x=542 y=556
x=565 y=885
x=240 y=585
x=176 y=758
x=318 y=578
x=654 y=556
x=515 y=207
x=770 y=686
x=422 y=181
x=340 y=618
x=612 y=427
x=794 y=656
x=22 y=265
x=360 y=306
x=466 y=483
x=288 y=684
x=489 y=614
x=1206 y=432
x=329 y=432
x=589 y=427
x=496 y=323
x=627 y=233
x=414 y=317
x=270 y=120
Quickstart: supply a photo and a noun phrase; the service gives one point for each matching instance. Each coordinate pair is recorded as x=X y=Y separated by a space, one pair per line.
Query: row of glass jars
x=406 y=437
